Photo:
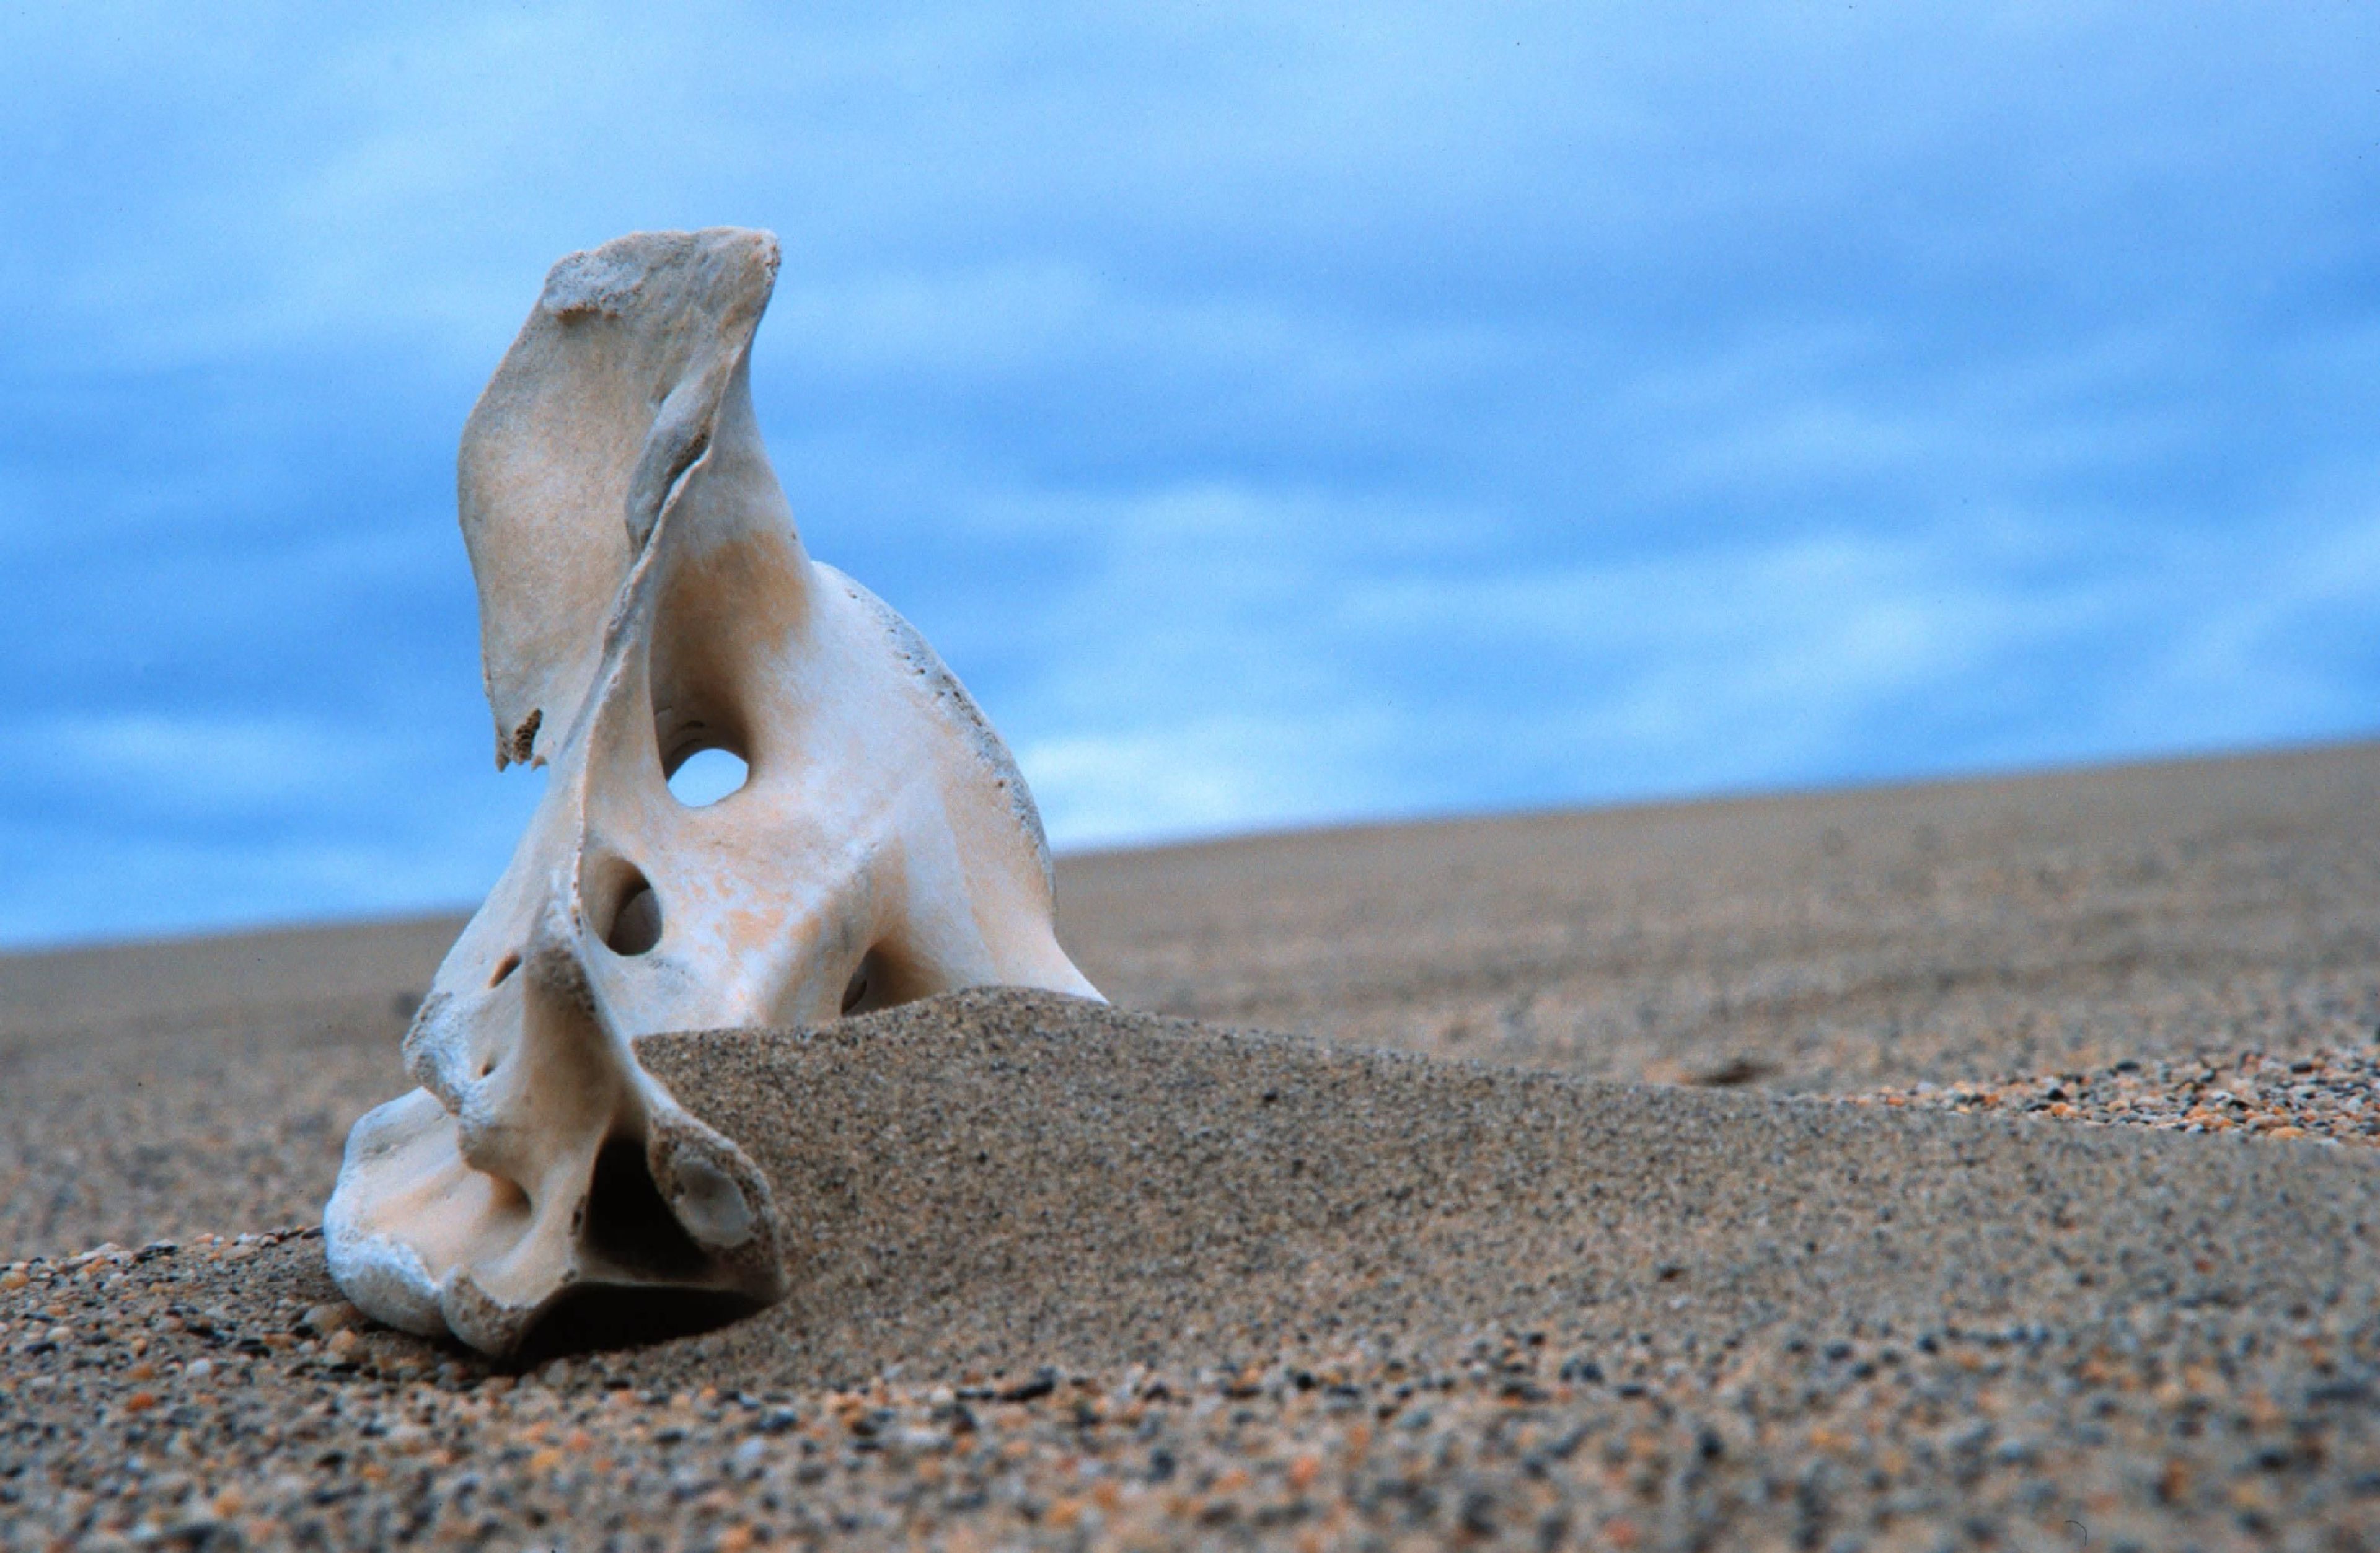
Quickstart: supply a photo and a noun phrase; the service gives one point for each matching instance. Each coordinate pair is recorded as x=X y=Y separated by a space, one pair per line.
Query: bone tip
x=710 y=1203
x=483 y=1321
x=606 y=280
x=554 y=968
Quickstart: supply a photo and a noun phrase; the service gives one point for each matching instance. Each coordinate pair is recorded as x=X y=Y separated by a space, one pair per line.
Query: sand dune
x=1002 y=1180
x=1066 y=1274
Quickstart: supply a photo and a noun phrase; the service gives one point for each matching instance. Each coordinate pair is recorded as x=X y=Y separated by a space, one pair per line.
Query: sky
x=1276 y=415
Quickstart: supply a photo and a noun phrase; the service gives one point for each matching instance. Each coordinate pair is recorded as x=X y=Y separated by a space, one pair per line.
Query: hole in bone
x=703 y=666
x=505 y=968
x=870 y=986
x=629 y=1226
x=706 y=775
x=591 y=1317
x=636 y=922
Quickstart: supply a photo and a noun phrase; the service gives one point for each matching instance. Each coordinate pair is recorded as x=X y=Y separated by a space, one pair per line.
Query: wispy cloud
x=1275 y=414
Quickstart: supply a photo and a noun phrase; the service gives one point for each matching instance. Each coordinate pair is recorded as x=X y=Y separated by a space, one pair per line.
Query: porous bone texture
x=644 y=598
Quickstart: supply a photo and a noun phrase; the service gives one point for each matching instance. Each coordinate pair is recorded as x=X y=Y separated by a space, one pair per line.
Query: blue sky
x=1275 y=414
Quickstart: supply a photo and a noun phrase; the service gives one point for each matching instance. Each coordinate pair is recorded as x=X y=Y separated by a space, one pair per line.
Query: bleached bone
x=643 y=597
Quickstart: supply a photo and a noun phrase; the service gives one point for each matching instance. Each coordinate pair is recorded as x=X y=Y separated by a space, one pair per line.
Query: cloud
x=1275 y=415
x=1998 y=644
x=154 y=822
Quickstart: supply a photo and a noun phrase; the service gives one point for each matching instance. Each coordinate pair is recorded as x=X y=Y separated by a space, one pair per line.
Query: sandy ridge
x=1008 y=1179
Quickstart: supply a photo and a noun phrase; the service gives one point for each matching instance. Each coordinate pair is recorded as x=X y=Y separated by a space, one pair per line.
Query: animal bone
x=643 y=597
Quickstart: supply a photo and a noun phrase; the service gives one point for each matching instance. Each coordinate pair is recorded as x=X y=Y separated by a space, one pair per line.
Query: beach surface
x=1978 y=1164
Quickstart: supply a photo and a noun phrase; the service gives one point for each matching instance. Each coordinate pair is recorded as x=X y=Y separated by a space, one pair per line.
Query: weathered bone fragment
x=644 y=598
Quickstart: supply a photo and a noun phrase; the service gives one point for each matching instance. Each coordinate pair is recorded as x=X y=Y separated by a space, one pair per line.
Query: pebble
x=2328 y=1094
x=1583 y=1438
x=329 y=1317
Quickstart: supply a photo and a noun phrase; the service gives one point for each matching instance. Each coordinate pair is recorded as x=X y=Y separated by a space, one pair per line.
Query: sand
x=1075 y=1276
